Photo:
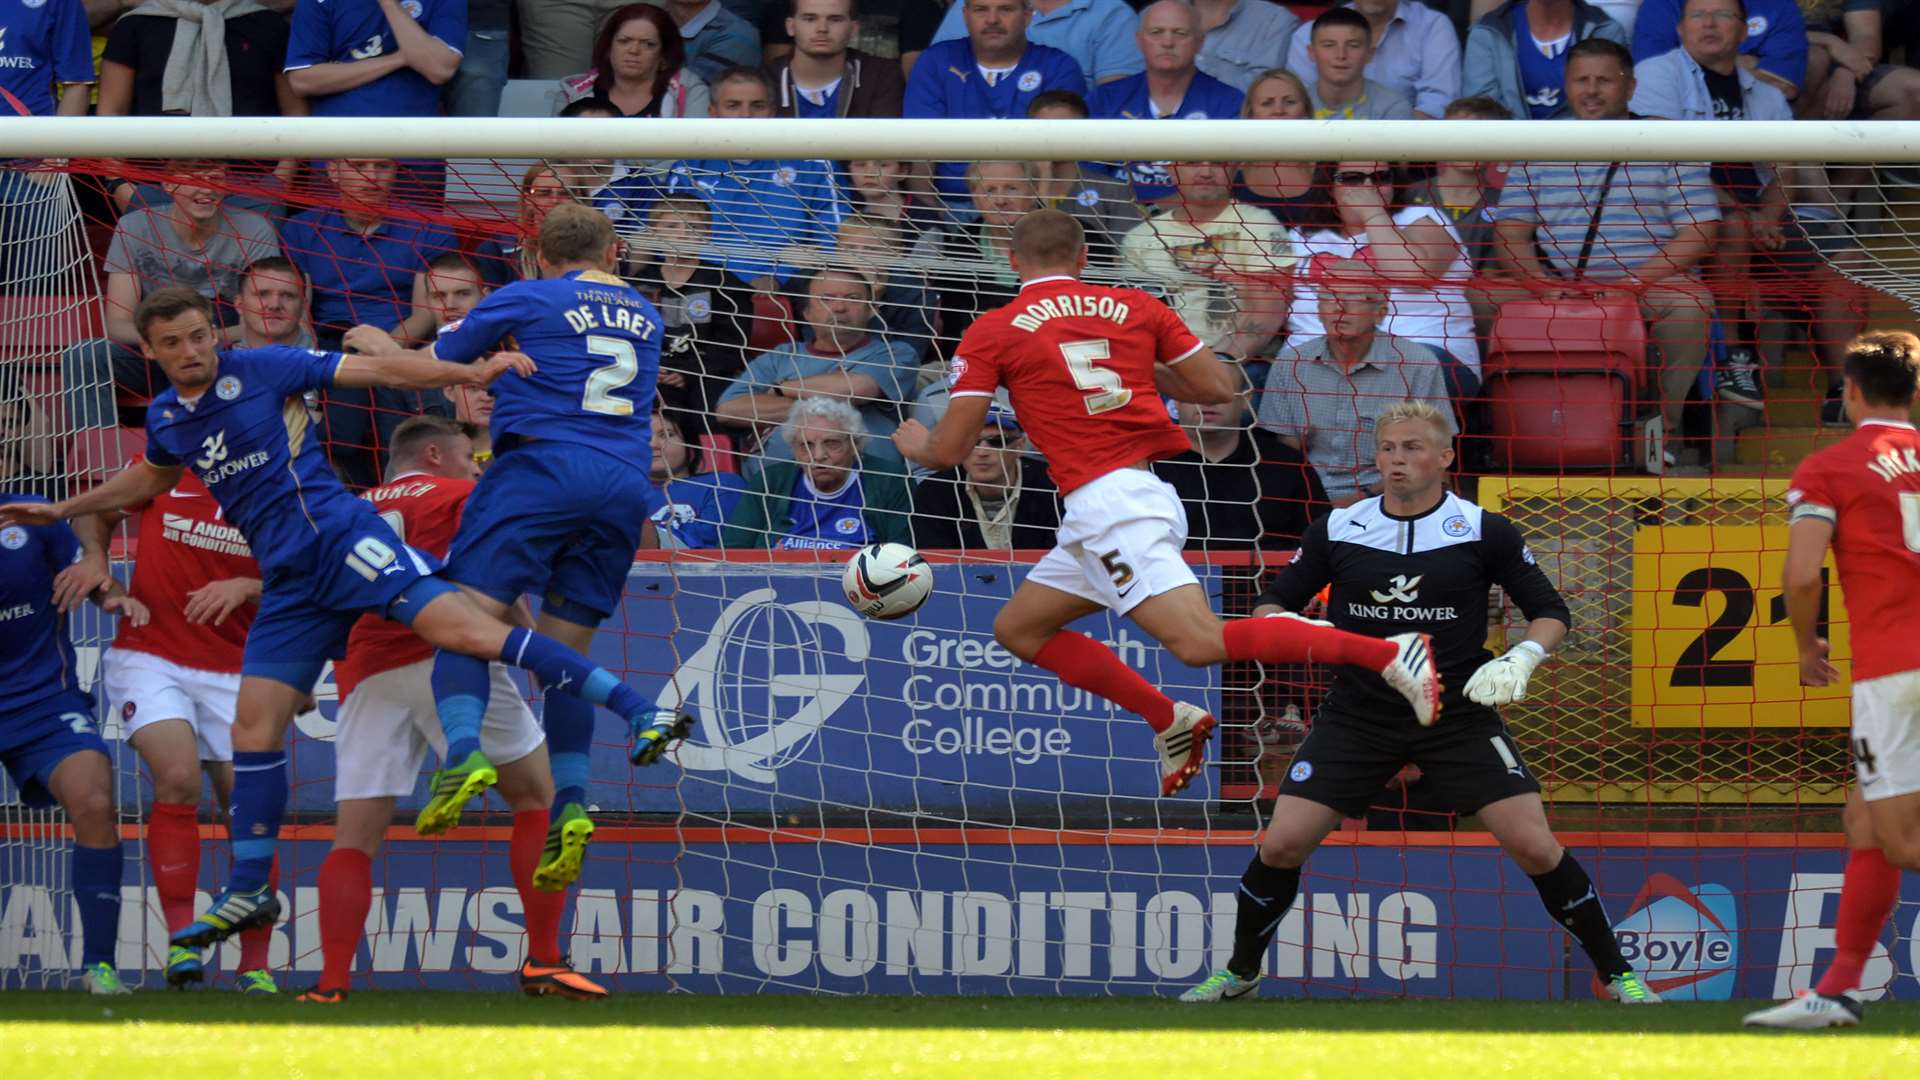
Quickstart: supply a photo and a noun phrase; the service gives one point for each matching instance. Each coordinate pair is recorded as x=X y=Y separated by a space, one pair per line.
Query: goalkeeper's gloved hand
x=1503 y=680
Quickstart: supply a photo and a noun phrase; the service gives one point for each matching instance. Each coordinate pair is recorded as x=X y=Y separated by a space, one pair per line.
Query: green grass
x=155 y=1036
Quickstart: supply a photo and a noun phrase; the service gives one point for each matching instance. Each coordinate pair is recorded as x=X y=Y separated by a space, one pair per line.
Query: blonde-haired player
x=1417 y=555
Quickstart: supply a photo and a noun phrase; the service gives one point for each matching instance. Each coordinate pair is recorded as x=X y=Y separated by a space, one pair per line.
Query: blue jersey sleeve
x=925 y=94
x=72 y=45
x=284 y=370
x=62 y=546
x=448 y=24
x=309 y=37
x=493 y=319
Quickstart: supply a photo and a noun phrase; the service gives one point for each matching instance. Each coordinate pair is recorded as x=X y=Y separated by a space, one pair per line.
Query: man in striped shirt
x=1657 y=221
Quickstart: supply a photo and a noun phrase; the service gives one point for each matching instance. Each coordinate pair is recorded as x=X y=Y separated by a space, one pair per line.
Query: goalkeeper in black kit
x=1417 y=557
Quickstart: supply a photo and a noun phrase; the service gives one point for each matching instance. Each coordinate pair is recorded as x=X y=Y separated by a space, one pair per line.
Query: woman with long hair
x=639 y=68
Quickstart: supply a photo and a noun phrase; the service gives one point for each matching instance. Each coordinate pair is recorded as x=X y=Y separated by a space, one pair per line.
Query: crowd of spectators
x=809 y=305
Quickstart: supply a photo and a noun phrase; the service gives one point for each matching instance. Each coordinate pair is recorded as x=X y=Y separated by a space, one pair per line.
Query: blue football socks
x=569 y=724
x=460 y=688
x=96 y=888
x=259 y=804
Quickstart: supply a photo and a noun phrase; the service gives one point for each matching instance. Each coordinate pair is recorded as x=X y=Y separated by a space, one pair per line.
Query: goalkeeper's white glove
x=1503 y=680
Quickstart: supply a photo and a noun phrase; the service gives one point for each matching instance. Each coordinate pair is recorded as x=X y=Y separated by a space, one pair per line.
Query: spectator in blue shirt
x=1340 y=42
x=1517 y=54
x=842 y=359
x=993 y=73
x=716 y=38
x=833 y=495
x=366 y=267
x=1244 y=38
x=765 y=205
x=1761 y=244
x=695 y=498
x=1172 y=87
x=45 y=42
x=1775 y=48
x=1098 y=34
x=379 y=58
x=1415 y=53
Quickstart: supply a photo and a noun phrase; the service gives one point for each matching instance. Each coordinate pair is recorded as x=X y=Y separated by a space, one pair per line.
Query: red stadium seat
x=1562 y=380
x=718 y=453
x=95 y=455
x=772 y=323
x=36 y=327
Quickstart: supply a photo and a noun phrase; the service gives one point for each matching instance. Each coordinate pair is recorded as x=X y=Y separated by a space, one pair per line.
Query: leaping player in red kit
x=1862 y=497
x=1085 y=366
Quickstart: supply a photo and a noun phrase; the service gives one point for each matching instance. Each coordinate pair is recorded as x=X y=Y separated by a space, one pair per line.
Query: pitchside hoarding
x=946 y=915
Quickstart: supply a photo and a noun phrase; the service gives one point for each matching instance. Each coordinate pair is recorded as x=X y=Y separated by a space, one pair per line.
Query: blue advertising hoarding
x=802 y=703
x=955 y=914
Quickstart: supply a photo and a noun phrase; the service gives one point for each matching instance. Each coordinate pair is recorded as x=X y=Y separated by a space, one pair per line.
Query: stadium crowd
x=812 y=305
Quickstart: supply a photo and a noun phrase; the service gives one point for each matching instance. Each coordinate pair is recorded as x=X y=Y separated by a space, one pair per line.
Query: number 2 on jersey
x=605 y=380
x=1100 y=386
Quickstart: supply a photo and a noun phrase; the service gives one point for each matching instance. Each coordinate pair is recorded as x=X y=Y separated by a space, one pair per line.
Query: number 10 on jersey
x=1712 y=646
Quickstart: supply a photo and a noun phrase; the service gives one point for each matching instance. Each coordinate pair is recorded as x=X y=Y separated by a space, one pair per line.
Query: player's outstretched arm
x=951 y=440
x=90 y=573
x=131 y=487
x=417 y=370
x=1202 y=378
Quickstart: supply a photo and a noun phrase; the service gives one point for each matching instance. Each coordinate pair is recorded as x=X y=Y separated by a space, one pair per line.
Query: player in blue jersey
x=561 y=510
x=48 y=743
x=237 y=419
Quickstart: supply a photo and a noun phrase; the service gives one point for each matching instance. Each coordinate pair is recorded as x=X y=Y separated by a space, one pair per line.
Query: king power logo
x=1684 y=942
x=766 y=680
x=1401 y=590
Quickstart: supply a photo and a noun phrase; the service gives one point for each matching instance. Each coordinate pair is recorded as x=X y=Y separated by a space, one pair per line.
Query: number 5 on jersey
x=1100 y=386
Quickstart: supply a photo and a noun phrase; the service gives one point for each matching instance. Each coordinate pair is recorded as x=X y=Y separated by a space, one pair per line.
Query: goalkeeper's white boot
x=1809 y=1011
x=1222 y=985
x=1183 y=747
x=1630 y=989
x=1415 y=675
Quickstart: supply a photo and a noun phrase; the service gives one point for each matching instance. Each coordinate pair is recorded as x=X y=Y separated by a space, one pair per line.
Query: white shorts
x=1121 y=540
x=389 y=722
x=145 y=689
x=1886 y=735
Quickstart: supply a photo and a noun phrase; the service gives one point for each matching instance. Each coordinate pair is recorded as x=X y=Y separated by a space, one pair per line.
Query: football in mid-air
x=887 y=581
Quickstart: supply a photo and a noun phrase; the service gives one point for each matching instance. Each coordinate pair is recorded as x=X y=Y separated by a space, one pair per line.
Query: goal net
x=1635 y=355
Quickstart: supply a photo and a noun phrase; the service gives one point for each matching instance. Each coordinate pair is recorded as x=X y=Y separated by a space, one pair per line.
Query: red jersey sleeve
x=1811 y=493
x=974 y=370
x=1173 y=341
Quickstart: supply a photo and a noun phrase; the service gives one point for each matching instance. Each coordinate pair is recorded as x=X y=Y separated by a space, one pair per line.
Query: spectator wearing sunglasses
x=997 y=499
x=1414 y=251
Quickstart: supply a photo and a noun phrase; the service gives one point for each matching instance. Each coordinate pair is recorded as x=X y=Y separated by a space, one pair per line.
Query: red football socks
x=1085 y=664
x=1294 y=641
x=543 y=908
x=1867 y=894
x=256 y=943
x=173 y=847
x=346 y=895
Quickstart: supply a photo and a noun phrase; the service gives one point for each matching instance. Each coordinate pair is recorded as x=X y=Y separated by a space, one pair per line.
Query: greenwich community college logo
x=1684 y=942
x=761 y=683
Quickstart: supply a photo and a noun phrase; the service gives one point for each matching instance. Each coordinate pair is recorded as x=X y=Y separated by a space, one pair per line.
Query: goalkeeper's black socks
x=1574 y=903
x=1266 y=892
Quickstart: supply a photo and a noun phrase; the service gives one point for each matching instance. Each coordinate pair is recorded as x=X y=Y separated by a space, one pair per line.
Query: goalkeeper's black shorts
x=1468 y=757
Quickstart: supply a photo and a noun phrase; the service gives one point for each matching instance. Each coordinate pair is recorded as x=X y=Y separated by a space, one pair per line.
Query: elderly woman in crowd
x=830 y=496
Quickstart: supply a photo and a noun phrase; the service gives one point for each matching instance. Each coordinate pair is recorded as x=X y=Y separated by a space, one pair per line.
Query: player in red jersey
x=173 y=684
x=388 y=721
x=1085 y=366
x=1862 y=497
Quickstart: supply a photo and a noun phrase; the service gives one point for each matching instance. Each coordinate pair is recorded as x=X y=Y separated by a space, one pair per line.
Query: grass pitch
x=157 y=1036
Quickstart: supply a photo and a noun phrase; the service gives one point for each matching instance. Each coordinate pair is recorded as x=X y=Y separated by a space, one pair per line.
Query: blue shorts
x=559 y=521
x=305 y=619
x=36 y=739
